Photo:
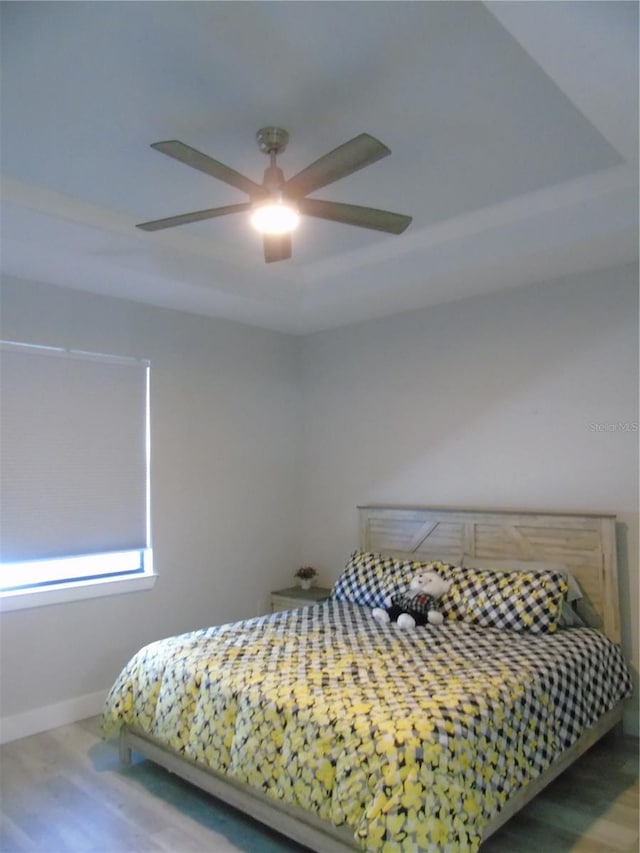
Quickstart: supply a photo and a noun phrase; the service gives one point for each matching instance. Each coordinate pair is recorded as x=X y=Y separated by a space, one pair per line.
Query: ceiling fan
x=277 y=203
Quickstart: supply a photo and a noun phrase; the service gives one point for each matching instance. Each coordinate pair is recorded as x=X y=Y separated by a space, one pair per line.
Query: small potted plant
x=305 y=575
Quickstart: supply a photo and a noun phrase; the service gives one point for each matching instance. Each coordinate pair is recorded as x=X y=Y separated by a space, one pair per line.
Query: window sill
x=76 y=591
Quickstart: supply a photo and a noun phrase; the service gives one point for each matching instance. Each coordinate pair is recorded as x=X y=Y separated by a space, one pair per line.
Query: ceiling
x=513 y=129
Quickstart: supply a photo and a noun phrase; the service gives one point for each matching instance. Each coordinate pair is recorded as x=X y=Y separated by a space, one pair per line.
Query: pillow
x=515 y=600
x=575 y=613
x=571 y=618
x=574 y=591
x=369 y=578
x=366 y=579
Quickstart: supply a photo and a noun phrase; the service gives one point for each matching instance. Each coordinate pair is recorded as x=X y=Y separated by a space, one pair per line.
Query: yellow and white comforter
x=412 y=739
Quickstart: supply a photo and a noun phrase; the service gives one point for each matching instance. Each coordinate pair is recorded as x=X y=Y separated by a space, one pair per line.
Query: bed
x=345 y=734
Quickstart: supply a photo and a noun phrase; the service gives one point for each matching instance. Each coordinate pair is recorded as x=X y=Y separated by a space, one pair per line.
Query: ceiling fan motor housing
x=273 y=181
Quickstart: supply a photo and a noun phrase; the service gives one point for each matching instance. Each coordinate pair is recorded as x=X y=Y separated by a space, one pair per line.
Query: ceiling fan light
x=275 y=218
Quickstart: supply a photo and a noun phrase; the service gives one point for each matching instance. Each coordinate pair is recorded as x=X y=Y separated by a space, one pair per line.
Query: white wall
x=486 y=402
x=224 y=490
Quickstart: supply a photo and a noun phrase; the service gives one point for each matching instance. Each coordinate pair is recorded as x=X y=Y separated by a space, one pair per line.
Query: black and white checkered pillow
x=517 y=601
x=369 y=578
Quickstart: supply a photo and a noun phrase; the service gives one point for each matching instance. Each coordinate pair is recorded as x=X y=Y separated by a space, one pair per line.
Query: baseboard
x=51 y=716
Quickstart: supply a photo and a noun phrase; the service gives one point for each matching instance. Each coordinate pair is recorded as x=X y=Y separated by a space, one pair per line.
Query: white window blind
x=73 y=453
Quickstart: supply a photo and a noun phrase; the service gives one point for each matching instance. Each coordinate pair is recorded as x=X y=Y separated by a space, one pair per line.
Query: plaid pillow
x=369 y=578
x=518 y=601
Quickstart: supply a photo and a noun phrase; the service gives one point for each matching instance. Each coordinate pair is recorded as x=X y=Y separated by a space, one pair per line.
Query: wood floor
x=63 y=790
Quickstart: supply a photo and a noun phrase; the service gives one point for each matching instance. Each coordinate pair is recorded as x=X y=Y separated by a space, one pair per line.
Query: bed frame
x=585 y=545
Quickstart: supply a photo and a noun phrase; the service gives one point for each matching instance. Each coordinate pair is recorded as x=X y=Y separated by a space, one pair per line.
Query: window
x=74 y=463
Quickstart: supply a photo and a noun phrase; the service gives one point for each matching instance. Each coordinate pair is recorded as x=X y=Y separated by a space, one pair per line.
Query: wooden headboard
x=584 y=545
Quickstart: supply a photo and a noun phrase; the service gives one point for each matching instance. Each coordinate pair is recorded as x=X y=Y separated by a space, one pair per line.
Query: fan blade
x=277 y=247
x=195 y=216
x=353 y=214
x=342 y=161
x=198 y=160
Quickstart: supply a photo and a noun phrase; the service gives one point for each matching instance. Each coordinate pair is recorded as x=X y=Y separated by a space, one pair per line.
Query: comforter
x=414 y=740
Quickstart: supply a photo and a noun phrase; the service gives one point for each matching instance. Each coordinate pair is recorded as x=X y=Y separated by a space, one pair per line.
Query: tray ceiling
x=513 y=130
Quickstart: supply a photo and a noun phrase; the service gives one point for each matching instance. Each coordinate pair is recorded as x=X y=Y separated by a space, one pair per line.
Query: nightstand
x=295 y=596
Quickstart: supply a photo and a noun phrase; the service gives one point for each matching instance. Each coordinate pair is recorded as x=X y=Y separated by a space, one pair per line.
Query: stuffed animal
x=418 y=605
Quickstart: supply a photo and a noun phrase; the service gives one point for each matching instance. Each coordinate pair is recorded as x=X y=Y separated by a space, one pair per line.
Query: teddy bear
x=417 y=605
